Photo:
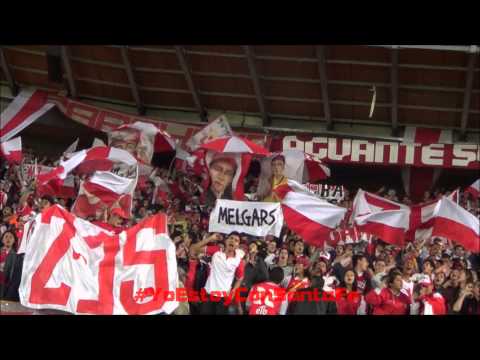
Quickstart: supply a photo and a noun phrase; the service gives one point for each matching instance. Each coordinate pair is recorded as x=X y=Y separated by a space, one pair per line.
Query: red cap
x=425 y=281
x=302 y=260
x=119 y=212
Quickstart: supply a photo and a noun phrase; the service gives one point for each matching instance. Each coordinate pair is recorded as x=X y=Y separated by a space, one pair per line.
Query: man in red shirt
x=266 y=298
x=427 y=302
x=390 y=300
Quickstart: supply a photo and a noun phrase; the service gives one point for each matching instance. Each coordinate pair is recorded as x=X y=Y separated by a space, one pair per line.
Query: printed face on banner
x=275 y=172
x=222 y=170
x=137 y=143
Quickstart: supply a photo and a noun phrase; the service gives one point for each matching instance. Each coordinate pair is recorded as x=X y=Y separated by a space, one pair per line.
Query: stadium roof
x=422 y=85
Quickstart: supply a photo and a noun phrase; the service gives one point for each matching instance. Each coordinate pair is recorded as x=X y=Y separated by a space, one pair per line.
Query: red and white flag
x=421 y=219
x=307 y=215
x=75 y=266
x=71 y=149
x=457 y=224
x=98 y=158
x=474 y=189
x=27 y=107
x=217 y=128
x=104 y=190
x=64 y=189
x=11 y=150
x=388 y=225
x=381 y=217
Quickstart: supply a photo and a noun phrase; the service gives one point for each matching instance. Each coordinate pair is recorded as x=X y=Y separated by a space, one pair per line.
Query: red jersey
x=384 y=302
x=433 y=304
x=265 y=299
x=348 y=305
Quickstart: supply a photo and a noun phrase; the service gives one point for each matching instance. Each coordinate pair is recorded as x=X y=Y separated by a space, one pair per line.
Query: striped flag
x=26 y=108
x=474 y=189
x=11 y=150
x=307 y=215
x=457 y=224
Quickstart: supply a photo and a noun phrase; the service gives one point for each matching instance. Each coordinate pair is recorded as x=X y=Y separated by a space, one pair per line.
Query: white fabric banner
x=216 y=129
x=72 y=265
x=250 y=217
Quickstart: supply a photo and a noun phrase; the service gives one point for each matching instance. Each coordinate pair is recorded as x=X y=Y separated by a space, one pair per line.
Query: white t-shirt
x=222 y=272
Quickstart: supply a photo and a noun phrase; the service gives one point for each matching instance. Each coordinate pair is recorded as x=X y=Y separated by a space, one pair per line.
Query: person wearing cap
x=426 y=301
x=278 y=178
x=222 y=170
x=322 y=268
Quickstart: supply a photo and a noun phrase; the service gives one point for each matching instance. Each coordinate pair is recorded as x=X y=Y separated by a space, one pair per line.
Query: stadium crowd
x=430 y=276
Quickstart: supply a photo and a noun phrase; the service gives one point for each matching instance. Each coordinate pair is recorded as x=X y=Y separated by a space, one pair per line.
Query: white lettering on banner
x=410 y=153
x=327 y=192
x=292 y=143
x=72 y=265
x=323 y=148
x=322 y=151
x=254 y=218
x=463 y=155
x=380 y=149
x=332 y=148
x=433 y=154
x=357 y=150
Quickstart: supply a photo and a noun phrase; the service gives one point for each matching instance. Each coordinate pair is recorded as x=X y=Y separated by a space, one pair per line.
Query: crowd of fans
x=429 y=276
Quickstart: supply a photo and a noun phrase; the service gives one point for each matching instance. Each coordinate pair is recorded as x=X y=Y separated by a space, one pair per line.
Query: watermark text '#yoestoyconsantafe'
x=276 y=295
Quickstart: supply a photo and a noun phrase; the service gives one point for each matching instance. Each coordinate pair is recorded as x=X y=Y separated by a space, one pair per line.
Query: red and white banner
x=457 y=224
x=381 y=217
x=421 y=219
x=417 y=181
x=72 y=265
x=374 y=152
x=216 y=129
x=141 y=140
x=308 y=216
x=398 y=222
x=11 y=150
x=98 y=158
x=104 y=190
x=23 y=111
x=27 y=107
x=474 y=189
x=64 y=189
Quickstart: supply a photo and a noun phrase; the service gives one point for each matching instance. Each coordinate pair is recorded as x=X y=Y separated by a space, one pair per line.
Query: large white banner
x=250 y=217
x=75 y=266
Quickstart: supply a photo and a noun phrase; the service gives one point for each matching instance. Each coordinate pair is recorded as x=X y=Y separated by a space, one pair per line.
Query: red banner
x=338 y=150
